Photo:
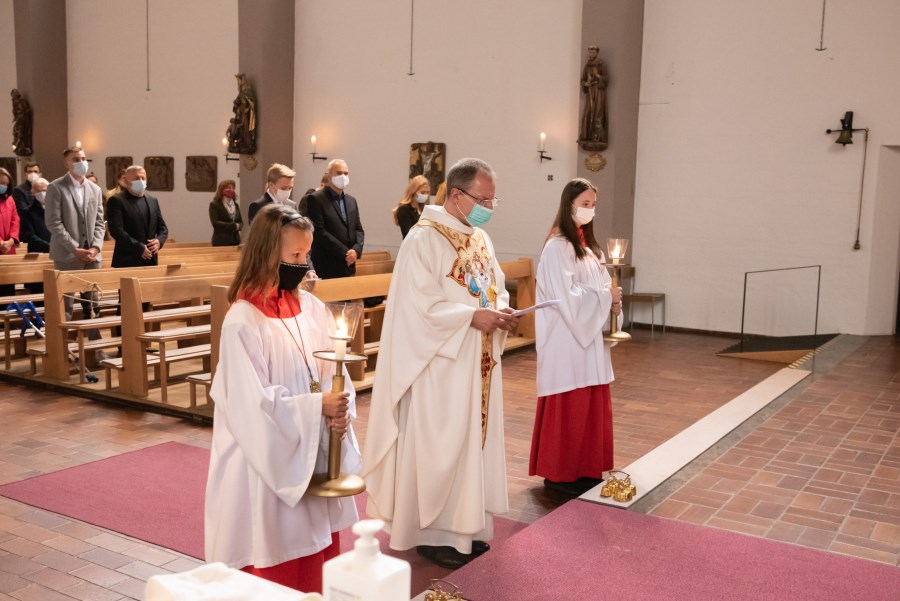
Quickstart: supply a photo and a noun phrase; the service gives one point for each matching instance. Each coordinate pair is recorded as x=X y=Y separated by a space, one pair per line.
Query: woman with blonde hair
x=408 y=210
x=273 y=412
x=225 y=215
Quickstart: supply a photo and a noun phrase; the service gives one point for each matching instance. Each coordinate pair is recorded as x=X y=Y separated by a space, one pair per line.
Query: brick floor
x=822 y=470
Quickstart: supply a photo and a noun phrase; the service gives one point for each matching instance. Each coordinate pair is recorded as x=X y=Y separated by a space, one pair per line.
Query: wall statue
x=22 y=125
x=593 y=133
x=241 y=133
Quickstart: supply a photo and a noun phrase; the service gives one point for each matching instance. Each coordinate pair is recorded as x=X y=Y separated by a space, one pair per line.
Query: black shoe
x=479 y=547
x=446 y=557
x=572 y=489
x=589 y=483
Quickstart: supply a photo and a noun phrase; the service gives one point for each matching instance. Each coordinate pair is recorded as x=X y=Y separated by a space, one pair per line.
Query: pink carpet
x=587 y=551
x=156 y=495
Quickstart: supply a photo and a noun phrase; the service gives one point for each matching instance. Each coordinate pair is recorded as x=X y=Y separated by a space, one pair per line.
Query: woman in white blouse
x=572 y=443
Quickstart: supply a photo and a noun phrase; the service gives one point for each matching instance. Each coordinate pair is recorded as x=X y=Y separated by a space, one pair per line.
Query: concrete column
x=42 y=78
x=616 y=27
x=266 y=42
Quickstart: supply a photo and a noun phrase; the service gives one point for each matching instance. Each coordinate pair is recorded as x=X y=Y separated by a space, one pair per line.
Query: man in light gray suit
x=73 y=210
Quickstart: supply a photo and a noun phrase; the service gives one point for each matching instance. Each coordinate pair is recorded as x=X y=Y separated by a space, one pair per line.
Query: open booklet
x=533 y=308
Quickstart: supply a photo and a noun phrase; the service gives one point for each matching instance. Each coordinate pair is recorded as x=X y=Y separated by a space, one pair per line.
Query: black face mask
x=290 y=275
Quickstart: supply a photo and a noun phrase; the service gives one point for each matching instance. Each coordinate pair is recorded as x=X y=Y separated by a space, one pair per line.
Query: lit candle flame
x=617 y=252
x=341 y=327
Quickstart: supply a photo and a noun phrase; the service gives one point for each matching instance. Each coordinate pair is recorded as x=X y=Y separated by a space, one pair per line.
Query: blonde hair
x=441 y=194
x=410 y=196
x=277 y=171
x=257 y=270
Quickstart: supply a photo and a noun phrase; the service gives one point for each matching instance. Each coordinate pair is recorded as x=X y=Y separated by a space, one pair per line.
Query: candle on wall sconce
x=544 y=155
x=228 y=156
x=313 y=140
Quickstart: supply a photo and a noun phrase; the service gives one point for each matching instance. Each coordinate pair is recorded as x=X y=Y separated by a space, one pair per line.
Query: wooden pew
x=521 y=272
x=21 y=272
x=220 y=306
x=374 y=256
x=133 y=378
x=59 y=283
x=374 y=267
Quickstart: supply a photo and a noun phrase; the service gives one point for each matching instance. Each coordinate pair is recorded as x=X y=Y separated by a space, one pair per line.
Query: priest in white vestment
x=433 y=458
x=272 y=420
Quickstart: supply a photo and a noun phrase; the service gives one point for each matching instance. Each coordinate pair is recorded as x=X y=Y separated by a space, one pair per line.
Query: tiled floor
x=820 y=467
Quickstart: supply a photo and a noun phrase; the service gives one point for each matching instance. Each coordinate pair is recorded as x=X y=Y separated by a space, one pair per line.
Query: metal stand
x=334 y=484
x=615 y=334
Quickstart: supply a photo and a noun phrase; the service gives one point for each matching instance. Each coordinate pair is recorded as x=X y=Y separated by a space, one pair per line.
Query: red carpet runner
x=588 y=551
x=156 y=495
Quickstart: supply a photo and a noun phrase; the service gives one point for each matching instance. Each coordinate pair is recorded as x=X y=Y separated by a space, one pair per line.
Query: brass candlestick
x=347 y=317
x=334 y=483
x=616 y=248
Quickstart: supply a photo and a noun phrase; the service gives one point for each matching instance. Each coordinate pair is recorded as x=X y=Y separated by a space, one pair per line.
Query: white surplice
x=426 y=472
x=269 y=437
x=571 y=351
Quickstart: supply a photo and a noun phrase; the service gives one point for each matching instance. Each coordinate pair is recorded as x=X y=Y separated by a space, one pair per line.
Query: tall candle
x=340 y=345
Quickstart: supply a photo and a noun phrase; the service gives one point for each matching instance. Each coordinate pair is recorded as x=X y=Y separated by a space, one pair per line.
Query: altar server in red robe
x=572 y=443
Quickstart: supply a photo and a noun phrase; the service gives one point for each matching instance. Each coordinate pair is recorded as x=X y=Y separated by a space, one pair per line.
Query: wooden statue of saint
x=593 y=133
x=241 y=133
x=22 y=125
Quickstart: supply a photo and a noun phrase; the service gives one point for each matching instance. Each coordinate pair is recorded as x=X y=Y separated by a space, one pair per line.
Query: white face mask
x=281 y=195
x=340 y=181
x=81 y=168
x=32 y=176
x=421 y=198
x=582 y=215
x=40 y=196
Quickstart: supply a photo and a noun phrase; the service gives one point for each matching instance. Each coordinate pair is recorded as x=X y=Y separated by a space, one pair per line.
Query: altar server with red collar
x=271 y=425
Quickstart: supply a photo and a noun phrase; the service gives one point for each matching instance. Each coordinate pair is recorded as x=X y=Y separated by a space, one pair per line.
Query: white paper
x=527 y=310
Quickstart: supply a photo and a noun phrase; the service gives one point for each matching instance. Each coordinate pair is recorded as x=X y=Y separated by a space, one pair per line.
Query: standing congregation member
x=279 y=185
x=339 y=231
x=225 y=215
x=9 y=224
x=32 y=221
x=73 y=208
x=272 y=420
x=434 y=460
x=409 y=209
x=136 y=222
x=23 y=193
x=573 y=431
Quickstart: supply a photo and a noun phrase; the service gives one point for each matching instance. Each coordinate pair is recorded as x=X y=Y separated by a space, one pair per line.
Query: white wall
x=735 y=172
x=193 y=60
x=482 y=86
x=7 y=73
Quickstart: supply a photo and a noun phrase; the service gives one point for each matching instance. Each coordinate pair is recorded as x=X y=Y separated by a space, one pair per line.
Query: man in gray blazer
x=73 y=209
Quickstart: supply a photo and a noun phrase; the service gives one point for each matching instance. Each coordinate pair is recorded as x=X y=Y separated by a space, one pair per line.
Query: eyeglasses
x=494 y=201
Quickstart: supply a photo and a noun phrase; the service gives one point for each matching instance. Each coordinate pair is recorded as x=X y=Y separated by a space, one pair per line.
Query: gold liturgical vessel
x=333 y=483
x=615 y=250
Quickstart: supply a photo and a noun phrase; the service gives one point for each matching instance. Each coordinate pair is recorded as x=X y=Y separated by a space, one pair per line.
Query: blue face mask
x=138 y=186
x=81 y=168
x=479 y=215
x=3 y=188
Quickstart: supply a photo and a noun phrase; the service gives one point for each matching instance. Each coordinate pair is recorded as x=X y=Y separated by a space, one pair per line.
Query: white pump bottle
x=366 y=574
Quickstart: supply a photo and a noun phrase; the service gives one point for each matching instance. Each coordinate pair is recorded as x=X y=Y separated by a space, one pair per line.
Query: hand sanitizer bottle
x=366 y=574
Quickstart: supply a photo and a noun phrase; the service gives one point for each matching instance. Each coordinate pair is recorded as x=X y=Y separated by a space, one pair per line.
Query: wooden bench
x=374 y=256
x=60 y=283
x=374 y=267
x=133 y=377
x=18 y=272
x=220 y=306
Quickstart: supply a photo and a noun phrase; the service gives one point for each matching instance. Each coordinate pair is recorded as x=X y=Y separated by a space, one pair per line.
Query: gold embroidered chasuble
x=473 y=269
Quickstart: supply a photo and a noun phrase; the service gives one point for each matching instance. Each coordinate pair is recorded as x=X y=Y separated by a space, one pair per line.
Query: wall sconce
x=228 y=157
x=544 y=156
x=846 y=137
x=315 y=157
